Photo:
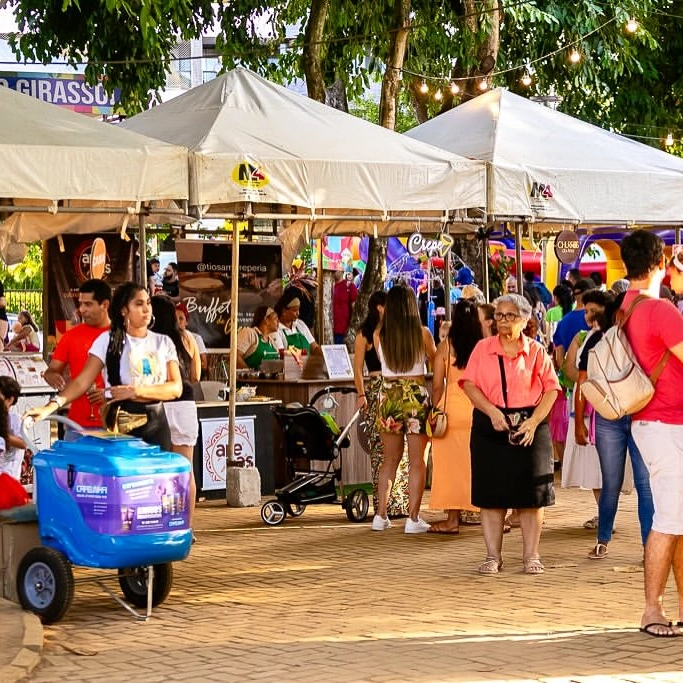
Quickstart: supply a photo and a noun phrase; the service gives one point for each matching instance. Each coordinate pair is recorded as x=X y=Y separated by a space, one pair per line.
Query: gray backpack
x=616 y=385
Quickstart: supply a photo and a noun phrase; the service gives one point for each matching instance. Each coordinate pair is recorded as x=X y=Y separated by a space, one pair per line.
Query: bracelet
x=59 y=401
x=361 y=395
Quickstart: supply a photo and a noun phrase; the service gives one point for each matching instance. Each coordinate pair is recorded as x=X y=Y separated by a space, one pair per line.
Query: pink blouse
x=529 y=375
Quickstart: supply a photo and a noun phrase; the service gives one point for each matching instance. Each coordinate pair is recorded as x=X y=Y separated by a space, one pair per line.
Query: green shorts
x=403 y=406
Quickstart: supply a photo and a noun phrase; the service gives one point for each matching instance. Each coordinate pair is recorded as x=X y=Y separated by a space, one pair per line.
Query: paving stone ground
x=321 y=599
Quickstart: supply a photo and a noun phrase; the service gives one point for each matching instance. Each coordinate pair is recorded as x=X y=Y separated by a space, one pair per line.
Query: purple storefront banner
x=124 y=506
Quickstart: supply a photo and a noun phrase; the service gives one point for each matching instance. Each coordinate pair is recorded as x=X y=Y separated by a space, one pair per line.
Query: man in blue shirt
x=572 y=323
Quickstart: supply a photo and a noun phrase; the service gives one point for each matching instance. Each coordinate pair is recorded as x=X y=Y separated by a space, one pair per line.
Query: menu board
x=337 y=361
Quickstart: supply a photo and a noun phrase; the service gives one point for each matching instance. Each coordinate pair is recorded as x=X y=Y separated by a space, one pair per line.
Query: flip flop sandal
x=652 y=630
x=533 y=565
x=599 y=552
x=492 y=565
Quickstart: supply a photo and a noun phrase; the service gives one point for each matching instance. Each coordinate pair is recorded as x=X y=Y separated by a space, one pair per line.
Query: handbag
x=437 y=421
x=515 y=417
x=120 y=421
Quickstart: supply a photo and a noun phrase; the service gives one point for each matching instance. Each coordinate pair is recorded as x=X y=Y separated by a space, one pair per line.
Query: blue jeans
x=612 y=438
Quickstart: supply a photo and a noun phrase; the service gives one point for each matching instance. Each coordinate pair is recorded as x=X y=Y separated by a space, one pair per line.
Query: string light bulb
x=526 y=79
x=438 y=96
x=483 y=84
x=632 y=25
x=424 y=88
x=669 y=139
x=455 y=88
x=575 y=56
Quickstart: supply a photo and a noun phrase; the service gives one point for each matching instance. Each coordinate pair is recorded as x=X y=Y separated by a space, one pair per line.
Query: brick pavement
x=321 y=599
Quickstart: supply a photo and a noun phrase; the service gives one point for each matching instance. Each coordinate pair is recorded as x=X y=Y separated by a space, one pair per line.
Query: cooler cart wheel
x=273 y=512
x=356 y=505
x=295 y=509
x=45 y=583
x=133 y=582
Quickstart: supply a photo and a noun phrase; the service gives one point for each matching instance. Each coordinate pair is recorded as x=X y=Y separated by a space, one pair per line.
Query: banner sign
x=430 y=246
x=104 y=256
x=65 y=90
x=214 y=435
x=204 y=270
x=567 y=246
x=128 y=505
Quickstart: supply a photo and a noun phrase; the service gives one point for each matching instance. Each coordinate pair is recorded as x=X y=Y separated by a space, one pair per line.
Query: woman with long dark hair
x=368 y=392
x=181 y=413
x=402 y=345
x=140 y=368
x=451 y=470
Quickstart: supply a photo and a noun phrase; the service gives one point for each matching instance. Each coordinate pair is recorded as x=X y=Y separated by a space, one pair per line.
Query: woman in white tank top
x=403 y=345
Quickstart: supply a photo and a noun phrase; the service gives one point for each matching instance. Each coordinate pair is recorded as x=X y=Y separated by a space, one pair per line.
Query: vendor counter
x=356 y=463
x=255 y=428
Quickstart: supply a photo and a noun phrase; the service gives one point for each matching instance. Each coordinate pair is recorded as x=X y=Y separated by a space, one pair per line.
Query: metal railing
x=30 y=300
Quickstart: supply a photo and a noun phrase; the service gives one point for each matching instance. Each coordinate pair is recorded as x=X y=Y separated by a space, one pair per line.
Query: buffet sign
x=205 y=274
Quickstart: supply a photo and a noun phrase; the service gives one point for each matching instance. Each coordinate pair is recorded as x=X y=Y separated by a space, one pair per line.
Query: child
x=13 y=446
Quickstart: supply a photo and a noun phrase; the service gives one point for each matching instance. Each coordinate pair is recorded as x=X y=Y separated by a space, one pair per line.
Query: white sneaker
x=380 y=523
x=418 y=527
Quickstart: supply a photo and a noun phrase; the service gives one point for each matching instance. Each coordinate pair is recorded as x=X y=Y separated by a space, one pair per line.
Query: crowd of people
x=508 y=375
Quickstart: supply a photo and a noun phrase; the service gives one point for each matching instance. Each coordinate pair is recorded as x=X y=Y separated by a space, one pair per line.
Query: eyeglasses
x=507 y=317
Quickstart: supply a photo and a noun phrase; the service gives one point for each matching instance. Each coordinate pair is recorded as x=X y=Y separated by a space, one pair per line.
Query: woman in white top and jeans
x=402 y=345
x=140 y=367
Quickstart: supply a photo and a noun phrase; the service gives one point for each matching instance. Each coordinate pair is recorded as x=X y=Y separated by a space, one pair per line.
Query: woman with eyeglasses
x=511 y=382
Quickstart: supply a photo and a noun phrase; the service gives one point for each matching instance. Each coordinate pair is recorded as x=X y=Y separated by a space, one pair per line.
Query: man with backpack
x=655 y=328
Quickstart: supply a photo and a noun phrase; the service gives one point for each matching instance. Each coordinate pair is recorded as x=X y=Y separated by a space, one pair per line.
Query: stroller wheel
x=273 y=512
x=295 y=509
x=356 y=505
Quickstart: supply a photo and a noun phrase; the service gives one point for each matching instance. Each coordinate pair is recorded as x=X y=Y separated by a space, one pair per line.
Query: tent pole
x=320 y=296
x=679 y=231
x=142 y=251
x=234 y=311
x=447 y=284
x=485 y=265
x=518 y=256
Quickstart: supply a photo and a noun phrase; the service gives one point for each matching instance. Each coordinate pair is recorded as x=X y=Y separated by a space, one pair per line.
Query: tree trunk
x=312 y=57
x=335 y=96
x=391 y=81
x=373 y=279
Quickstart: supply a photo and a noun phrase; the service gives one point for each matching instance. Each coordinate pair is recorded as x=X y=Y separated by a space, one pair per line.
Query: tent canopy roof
x=548 y=166
x=253 y=141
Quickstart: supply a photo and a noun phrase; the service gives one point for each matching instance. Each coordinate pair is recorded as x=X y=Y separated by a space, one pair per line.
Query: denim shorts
x=403 y=406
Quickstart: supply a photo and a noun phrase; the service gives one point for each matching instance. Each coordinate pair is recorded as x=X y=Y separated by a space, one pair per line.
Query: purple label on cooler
x=129 y=505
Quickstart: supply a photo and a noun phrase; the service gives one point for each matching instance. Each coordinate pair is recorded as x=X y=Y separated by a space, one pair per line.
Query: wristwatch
x=59 y=400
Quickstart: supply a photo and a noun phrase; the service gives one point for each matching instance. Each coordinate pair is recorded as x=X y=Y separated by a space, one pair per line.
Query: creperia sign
x=420 y=244
x=567 y=246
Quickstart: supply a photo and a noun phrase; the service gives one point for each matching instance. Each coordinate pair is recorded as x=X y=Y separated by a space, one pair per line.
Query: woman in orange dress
x=451 y=469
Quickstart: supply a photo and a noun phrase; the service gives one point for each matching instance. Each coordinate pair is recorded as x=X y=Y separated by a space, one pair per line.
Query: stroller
x=313 y=438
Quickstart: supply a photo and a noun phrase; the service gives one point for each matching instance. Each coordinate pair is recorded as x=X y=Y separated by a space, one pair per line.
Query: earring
x=126 y=323
x=151 y=323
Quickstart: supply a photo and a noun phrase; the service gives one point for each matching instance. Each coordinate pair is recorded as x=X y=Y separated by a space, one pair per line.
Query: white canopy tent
x=545 y=166
x=258 y=145
x=65 y=172
x=257 y=150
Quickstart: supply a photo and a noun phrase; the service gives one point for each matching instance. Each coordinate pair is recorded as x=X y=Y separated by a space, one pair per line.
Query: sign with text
x=105 y=256
x=204 y=270
x=337 y=361
x=567 y=246
x=214 y=435
x=65 y=90
x=439 y=245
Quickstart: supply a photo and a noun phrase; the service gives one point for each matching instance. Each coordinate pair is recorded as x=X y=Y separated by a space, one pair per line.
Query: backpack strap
x=623 y=316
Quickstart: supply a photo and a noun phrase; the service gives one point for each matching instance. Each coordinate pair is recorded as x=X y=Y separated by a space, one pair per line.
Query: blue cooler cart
x=110 y=502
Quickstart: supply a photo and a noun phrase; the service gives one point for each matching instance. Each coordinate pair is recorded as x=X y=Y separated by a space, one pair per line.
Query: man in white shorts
x=655 y=328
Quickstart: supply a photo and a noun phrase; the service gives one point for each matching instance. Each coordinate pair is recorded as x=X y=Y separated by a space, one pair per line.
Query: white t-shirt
x=200 y=342
x=143 y=361
x=11 y=458
x=298 y=326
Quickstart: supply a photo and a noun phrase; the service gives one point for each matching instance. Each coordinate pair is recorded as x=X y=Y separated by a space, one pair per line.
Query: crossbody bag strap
x=503 y=380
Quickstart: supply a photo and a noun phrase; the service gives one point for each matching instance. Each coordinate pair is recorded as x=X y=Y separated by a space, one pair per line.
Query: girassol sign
x=567 y=246
x=65 y=90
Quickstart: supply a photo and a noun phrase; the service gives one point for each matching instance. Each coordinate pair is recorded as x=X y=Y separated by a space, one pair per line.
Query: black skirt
x=156 y=430
x=506 y=476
